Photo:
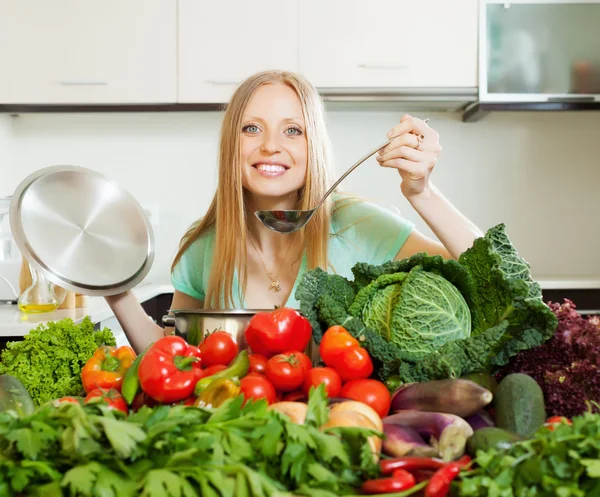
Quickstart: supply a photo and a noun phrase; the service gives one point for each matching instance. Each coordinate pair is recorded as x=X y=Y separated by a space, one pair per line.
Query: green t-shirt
x=360 y=232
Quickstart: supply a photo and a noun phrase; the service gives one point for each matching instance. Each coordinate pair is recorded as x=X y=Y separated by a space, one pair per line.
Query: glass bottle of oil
x=41 y=296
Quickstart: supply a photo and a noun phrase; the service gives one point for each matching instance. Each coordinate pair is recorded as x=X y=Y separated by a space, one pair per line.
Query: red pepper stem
x=184 y=363
x=110 y=363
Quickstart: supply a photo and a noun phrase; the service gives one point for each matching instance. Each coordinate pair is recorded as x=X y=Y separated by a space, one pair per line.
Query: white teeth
x=270 y=168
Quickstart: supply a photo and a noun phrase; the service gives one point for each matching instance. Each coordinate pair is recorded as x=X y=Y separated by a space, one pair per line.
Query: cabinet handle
x=83 y=83
x=383 y=66
x=222 y=82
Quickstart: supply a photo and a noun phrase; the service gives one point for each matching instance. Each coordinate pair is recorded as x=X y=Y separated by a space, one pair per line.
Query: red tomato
x=285 y=372
x=303 y=358
x=329 y=376
x=110 y=397
x=371 y=392
x=295 y=396
x=354 y=363
x=274 y=332
x=256 y=386
x=213 y=369
x=335 y=340
x=556 y=420
x=218 y=348
x=258 y=363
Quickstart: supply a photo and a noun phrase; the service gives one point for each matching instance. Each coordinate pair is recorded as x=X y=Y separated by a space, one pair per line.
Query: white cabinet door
x=389 y=43
x=88 y=52
x=221 y=43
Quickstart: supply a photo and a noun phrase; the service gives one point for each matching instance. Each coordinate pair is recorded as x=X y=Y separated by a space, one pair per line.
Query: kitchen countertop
x=14 y=323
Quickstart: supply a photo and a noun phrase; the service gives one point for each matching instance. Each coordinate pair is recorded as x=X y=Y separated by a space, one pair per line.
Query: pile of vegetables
x=50 y=358
x=425 y=318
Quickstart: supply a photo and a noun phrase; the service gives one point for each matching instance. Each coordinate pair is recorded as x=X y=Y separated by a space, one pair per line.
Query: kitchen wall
x=537 y=172
x=6 y=150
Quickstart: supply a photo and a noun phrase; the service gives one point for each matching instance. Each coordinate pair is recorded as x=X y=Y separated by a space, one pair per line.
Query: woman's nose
x=271 y=143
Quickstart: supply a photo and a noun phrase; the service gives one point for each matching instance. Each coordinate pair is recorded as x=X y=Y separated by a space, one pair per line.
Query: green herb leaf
x=164 y=483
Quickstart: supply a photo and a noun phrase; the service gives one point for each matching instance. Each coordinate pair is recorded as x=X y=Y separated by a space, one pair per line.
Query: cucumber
x=490 y=438
x=484 y=380
x=14 y=396
x=519 y=405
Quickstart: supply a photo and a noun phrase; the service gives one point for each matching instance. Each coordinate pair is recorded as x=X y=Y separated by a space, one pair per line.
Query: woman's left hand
x=413 y=151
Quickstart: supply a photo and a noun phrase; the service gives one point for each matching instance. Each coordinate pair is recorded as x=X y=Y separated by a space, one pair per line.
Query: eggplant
x=455 y=396
x=447 y=433
x=401 y=441
x=480 y=420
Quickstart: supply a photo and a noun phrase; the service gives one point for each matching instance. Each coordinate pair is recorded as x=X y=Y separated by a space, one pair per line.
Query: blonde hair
x=228 y=212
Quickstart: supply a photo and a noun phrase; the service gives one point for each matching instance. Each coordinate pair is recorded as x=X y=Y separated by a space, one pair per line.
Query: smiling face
x=273 y=144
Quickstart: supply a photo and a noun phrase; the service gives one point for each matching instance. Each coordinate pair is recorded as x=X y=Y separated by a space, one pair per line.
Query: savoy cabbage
x=426 y=318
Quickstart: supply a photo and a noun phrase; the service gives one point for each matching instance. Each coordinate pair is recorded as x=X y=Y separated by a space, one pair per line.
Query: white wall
x=6 y=154
x=537 y=172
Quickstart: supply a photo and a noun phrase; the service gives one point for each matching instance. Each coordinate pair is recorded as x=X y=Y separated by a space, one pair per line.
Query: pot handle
x=168 y=321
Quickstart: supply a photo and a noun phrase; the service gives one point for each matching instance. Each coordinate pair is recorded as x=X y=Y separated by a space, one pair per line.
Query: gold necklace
x=275 y=285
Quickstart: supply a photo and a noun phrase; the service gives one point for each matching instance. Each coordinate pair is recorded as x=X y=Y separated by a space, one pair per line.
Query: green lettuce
x=425 y=318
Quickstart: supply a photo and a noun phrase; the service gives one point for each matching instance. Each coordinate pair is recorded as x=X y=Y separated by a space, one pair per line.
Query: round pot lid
x=82 y=231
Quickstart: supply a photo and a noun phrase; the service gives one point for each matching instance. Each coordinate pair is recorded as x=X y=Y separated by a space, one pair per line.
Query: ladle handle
x=352 y=168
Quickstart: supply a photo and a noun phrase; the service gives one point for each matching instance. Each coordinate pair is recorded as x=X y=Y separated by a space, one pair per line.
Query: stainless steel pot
x=192 y=324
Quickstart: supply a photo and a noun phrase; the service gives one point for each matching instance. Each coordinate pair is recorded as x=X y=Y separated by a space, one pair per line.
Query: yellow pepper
x=217 y=392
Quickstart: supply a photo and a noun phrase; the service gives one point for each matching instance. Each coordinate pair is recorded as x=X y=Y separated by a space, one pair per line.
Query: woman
x=275 y=154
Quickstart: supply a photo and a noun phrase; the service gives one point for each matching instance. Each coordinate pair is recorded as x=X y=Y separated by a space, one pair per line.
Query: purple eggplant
x=480 y=420
x=447 y=433
x=402 y=441
x=455 y=396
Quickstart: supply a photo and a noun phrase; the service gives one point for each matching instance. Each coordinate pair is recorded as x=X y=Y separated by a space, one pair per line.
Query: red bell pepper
x=107 y=367
x=170 y=369
x=278 y=331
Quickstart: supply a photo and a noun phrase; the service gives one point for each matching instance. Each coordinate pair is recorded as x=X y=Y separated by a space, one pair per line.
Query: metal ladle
x=289 y=221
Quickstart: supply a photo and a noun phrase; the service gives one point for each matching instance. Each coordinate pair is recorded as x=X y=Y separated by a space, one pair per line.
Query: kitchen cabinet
x=389 y=43
x=222 y=43
x=88 y=52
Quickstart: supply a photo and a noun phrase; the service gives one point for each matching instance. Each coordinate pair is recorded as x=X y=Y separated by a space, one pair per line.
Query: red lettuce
x=567 y=367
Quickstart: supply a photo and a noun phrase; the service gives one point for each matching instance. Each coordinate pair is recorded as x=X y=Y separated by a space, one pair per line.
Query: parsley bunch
x=563 y=462
x=237 y=450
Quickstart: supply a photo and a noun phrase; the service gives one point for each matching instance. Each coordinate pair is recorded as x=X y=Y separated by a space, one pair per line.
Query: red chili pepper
x=389 y=485
x=464 y=462
x=170 y=369
x=439 y=485
x=554 y=420
x=388 y=466
x=107 y=367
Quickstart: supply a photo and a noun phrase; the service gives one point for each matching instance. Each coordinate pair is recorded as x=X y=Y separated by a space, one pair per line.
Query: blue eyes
x=291 y=131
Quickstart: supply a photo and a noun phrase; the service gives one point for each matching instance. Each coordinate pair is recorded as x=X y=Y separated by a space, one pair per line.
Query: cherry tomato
x=218 y=348
x=256 y=386
x=304 y=360
x=258 y=363
x=110 y=397
x=329 y=376
x=555 y=420
x=213 y=369
x=335 y=340
x=371 y=392
x=285 y=372
x=354 y=363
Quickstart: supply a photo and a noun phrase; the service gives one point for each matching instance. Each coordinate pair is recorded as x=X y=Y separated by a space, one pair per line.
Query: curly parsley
x=50 y=358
